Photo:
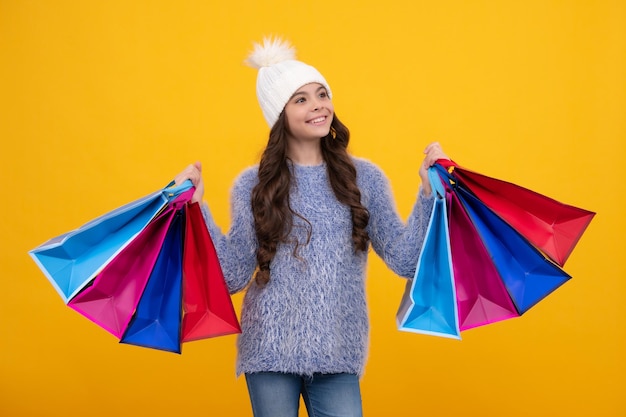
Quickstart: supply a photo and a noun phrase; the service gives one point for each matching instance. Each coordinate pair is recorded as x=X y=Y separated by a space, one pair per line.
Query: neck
x=305 y=152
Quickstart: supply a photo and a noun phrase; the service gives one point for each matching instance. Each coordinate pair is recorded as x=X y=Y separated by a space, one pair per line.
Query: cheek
x=294 y=113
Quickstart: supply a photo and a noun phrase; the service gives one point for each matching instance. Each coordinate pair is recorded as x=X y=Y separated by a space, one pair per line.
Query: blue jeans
x=275 y=394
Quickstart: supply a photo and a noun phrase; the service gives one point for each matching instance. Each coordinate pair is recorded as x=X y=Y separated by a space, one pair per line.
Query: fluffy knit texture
x=312 y=316
x=280 y=75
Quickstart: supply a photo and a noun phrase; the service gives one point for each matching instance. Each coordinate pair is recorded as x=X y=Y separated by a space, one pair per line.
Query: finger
x=431 y=146
x=190 y=173
x=179 y=179
x=431 y=157
x=437 y=153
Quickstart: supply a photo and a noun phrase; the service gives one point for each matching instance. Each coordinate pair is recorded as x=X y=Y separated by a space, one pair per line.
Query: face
x=309 y=113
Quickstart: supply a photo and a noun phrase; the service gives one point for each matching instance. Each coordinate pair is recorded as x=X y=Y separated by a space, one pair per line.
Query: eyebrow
x=304 y=93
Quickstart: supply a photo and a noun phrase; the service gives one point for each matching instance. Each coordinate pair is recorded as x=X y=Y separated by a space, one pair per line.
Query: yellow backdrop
x=103 y=102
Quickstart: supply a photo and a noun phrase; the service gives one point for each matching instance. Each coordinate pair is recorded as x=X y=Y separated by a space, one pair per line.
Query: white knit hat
x=280 y=76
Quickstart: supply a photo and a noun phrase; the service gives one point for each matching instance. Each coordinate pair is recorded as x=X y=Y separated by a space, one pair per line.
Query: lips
x=317 y=120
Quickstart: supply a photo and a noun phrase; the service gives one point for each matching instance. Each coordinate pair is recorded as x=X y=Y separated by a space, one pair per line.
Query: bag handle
x=446 y=178
x=436 y=182
x=447 y=163
x=171 y=191
x=445 y=167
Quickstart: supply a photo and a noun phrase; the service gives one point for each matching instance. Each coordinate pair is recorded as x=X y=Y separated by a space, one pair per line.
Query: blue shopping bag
x=70 y=261
x=527 y=273
x=157 y=322
x=429 y=303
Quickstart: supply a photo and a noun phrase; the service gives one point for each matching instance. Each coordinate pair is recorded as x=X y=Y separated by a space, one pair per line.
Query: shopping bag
x=70 y=261
x=156 y=323
x=208 y=309
x=553 y=227
x=482 y=297
x=485 y=245
x=429 y=302
x=527 y=273
x=111 y=298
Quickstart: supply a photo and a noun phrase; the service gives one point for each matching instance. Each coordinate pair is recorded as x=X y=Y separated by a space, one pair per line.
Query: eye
x=299 y=100
x=323 y=94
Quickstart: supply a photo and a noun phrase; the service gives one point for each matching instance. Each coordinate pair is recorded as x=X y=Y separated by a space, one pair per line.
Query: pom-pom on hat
x=280 y=75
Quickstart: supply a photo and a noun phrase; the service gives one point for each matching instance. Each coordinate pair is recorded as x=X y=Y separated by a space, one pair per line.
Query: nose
x=316 y=104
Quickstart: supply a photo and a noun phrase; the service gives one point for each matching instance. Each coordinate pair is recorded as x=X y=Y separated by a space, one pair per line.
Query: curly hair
x=273 y=215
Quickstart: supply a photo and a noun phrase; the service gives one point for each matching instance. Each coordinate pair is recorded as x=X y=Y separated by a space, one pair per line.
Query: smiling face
x=309 y=113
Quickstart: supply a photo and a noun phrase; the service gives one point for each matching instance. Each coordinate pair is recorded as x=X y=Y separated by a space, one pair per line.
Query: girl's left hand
x=433 y=152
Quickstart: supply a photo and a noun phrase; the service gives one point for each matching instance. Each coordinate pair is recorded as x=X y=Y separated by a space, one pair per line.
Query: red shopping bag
x=208 y=308
x=553 y=227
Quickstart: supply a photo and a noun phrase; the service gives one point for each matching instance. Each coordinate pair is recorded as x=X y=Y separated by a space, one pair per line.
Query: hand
x=194 y=173
x=433 y=152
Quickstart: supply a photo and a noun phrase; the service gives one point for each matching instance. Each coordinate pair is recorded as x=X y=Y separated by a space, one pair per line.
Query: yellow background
x=103 y=102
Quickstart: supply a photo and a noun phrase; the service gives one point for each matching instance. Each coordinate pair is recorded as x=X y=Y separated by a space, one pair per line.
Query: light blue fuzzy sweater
x=312 y=316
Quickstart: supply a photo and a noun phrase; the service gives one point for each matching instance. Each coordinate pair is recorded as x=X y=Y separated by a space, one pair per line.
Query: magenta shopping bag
x=482 y=297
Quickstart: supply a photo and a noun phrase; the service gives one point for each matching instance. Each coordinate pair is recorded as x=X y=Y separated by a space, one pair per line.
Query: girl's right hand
x=193 y=173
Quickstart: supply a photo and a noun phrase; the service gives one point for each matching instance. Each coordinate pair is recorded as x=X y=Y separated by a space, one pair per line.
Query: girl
x=302 y=223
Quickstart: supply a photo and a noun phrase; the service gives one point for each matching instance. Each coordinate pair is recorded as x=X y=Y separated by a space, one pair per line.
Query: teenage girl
x=302 y=223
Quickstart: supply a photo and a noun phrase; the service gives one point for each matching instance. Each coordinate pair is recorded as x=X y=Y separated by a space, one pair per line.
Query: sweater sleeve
x=397 y=242
x=236 y=250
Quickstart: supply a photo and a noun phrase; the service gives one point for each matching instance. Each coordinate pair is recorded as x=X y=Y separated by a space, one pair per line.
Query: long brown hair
x=273 y=216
